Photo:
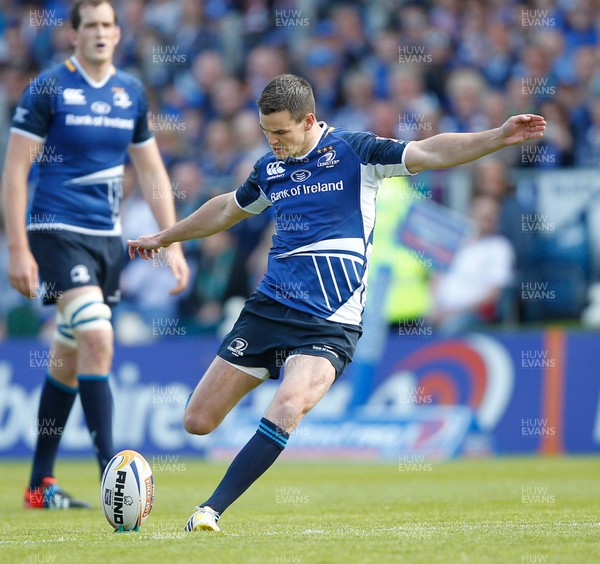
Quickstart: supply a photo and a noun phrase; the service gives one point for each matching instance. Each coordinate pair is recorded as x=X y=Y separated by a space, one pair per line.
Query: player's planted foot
x=203 y=519
x=49 y=495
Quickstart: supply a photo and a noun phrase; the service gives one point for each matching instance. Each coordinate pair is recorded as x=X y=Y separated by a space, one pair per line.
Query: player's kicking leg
x=307 y=379
x=217 y=393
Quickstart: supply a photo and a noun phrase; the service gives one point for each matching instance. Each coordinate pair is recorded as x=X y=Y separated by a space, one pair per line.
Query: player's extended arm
x=451 y=149
x=22 y=267
x=218 y=214
x=155 y=185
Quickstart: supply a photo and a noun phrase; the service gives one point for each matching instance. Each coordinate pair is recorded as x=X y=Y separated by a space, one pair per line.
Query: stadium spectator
x=151 y=302
x=466 y=90
x=556 y=149
x=518 y=100
x=490 y=177
x=384 y=119
x=132 y=29
x=189 y=187
x=471 y=50
x=323 y=67
x=72 y=234
x=495 y=108
x=358 y=99
x=351 y=34
x=15 y=49
x=497 y=55
x=469 y=294
x=207 y=68
x=212 y=263
x=249 y=139
x=219 y=156
x=163 y=15
x=416 y=108
x=536 y=73
x=261 y=65
x=228 y=98
x=578 y=25
x=194 y=33
x=382 y=61
x=588 y=149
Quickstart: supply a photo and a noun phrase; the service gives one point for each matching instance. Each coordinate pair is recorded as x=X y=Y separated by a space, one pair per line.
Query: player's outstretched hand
x=524 y=127
x=145 y=246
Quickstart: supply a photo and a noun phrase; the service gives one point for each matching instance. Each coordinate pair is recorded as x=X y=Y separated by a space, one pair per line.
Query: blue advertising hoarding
x=526 y=392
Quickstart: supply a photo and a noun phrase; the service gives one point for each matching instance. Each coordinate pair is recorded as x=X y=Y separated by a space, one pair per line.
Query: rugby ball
x=127 y=491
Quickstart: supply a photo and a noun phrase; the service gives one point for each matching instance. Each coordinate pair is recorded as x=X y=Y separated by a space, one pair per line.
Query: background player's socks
x=250 y=463
x=96 y=400
x=56 y=402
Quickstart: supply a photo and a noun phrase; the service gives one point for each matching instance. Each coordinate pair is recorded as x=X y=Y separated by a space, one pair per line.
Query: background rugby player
x=91 y=115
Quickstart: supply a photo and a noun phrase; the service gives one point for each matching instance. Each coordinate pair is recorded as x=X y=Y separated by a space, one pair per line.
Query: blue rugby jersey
x=324 y=205
x=86 y=127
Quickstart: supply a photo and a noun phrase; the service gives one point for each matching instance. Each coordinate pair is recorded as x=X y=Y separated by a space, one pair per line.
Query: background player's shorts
x=69 y=260
x=267 y=333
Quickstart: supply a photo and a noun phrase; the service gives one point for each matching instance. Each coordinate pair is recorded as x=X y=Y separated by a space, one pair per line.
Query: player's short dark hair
x=287 y=92
x=75 y=13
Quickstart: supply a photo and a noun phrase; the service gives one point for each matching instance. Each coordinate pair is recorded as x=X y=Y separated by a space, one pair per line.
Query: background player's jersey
x=86 y=128
x=324 y=206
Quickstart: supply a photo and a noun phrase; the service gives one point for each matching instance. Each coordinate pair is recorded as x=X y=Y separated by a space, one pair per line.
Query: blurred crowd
x=400 y=69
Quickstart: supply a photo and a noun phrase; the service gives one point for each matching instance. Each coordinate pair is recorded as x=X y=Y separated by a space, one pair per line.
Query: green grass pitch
x=521 y=510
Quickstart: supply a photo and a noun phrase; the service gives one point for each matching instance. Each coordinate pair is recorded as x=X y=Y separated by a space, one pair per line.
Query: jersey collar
x=86 y=76
x=324 y=128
